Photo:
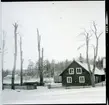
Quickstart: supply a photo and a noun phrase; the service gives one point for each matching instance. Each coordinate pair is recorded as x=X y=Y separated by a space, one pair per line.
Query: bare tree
x=42 y=65
x=2 y=58
x=97 y=36
x=21 y=61
x=40 y=72
x=15 y=55
x=88 y=35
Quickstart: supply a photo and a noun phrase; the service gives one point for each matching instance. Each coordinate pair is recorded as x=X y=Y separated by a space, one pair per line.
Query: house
x=77 y=74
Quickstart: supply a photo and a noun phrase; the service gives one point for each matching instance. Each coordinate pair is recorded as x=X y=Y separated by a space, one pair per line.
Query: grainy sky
x=59 y=25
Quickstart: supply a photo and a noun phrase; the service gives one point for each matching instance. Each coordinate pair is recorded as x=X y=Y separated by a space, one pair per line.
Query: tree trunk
x=21 y=80
x=15 y=55
x=41 y=75
x=40 y=71
x=92 y=79
x=88 y=64
x=21 y=76
x=2 y=80
x=13 y=73
x=2 y=67
x=2 y=60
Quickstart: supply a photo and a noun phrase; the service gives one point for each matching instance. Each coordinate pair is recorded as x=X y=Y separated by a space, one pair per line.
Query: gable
x=74 y=65
x=66 y=69
x=84 y=65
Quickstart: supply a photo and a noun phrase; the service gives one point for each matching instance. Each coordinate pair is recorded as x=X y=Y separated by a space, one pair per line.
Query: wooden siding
x=75 y=77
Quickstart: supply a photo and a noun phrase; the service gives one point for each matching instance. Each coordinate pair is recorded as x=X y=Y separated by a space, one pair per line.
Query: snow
x=43 y=95
x=97 y=71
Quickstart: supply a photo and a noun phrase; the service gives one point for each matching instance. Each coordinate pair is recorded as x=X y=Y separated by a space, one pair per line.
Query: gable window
x=71 y=70
x=81 y=79
x=69 y=79
x=78 y=70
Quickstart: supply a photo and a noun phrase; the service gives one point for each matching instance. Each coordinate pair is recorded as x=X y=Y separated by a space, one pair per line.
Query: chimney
x=80 y=58
x=73 y=59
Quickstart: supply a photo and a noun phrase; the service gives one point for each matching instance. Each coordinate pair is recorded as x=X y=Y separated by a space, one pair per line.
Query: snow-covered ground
x=7 y=80
x=43 y=95
x=59 y=95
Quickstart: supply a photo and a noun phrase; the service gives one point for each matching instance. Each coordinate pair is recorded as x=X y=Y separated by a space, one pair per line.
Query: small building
x=77 y=74
x=57 y=79
x=104 y=63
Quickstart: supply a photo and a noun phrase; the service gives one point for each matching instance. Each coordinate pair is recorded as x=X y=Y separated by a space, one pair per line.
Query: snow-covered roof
x=84 y=65
x=97 y=71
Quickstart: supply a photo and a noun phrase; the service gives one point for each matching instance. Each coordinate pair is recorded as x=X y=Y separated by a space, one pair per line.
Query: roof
x=97 y=71
x=84 y=65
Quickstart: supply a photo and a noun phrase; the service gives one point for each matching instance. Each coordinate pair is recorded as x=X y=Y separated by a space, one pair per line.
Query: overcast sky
x=59 y=25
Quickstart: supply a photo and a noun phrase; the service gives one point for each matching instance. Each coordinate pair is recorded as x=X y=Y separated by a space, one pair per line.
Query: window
x=78 y=70
x=81 y=79
x=69 y=79
x=71 y=70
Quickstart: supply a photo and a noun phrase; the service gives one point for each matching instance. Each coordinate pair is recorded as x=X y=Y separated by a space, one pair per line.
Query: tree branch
x=100 y=34
x=82 y=34
x=94 y=26
x=80 y=46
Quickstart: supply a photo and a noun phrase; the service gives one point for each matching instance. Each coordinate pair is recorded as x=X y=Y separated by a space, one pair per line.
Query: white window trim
x=70 y=71
x=77 y=70
x=68 y=79
x=83 y=78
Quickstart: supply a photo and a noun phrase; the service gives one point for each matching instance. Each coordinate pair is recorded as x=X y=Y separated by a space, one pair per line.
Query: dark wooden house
x=77 y=74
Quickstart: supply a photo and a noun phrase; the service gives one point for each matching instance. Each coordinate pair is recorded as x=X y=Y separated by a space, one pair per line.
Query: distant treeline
x=50 y=69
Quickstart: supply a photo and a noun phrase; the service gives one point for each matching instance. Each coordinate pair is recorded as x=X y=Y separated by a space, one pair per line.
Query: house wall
x=75 y=77
x=99 y=78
